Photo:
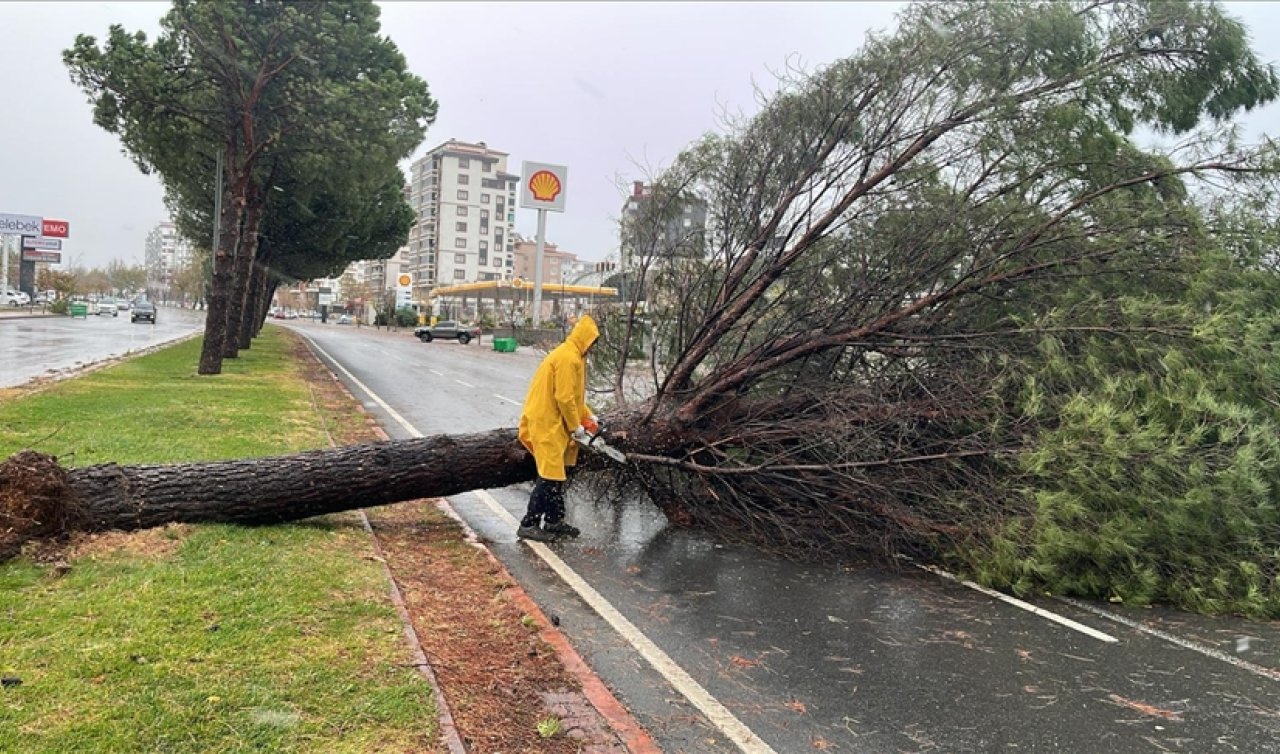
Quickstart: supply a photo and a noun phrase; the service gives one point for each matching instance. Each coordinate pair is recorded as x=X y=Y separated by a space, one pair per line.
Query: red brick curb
x=627 y=729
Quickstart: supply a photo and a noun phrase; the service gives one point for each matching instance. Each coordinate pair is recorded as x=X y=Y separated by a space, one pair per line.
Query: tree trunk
x=39 y=498
x=215 y=323
x=253 y=305
x=246 y=250
x=268 y=293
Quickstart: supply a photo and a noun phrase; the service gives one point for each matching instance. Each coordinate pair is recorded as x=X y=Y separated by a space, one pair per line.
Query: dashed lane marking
x=1216 y=654
x=1046 y=614
x=505 y=398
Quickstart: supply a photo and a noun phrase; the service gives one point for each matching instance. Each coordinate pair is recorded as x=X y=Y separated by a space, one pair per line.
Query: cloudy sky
x=612 y=90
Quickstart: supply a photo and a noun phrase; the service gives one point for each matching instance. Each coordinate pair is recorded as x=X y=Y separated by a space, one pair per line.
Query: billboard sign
x=21 y=225
x=544 y=186
x=44 y=244
x=52 y=257
x=55 y=228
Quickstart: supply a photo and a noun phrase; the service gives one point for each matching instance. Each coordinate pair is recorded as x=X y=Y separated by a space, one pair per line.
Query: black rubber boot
x=560 y=528
x=535 y=533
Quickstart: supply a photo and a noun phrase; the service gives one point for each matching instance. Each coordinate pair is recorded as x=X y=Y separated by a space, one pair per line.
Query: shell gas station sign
x=543 y=186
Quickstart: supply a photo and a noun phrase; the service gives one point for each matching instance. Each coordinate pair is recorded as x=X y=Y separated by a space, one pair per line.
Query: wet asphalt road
x=32 y=347
x=811 y=657
x=818 y=658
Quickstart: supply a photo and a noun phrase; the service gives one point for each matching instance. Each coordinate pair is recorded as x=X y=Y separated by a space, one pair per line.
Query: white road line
x=381 y=403
x=438 y=374
x=464 y=384
x=717 y=713
x=730 y=726
x=1108 y=638
x=505 y=398
x=1216 y=654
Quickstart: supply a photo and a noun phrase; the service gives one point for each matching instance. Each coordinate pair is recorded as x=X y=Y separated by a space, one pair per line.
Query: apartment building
x=465 y=201
x=557 y=264
x=165 y=251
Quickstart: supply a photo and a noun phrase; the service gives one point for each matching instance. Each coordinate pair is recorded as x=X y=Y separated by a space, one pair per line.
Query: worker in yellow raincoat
x=554 y=410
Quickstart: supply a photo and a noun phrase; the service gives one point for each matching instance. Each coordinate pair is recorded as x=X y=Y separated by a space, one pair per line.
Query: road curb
x=624 y=726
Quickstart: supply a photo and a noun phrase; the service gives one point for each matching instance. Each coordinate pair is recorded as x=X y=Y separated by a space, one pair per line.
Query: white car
x=15 y=298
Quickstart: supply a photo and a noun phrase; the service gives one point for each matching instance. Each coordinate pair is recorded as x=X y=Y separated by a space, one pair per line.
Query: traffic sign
x=44 y=244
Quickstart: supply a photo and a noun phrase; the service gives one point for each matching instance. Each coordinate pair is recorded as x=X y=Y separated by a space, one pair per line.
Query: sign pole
x=4 y=262
x=537 y=267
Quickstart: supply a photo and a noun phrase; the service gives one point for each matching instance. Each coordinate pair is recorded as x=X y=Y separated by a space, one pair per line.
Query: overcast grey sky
x=605 y=88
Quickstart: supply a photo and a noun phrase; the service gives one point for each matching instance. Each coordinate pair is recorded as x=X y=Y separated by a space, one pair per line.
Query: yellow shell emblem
x=545 y=186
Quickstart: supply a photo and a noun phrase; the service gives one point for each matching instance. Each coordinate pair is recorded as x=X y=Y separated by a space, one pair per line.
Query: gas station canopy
x=516 y=289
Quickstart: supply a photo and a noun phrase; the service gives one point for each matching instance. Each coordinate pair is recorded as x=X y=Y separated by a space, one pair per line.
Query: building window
x=484 y=214
x=459 y=258
x=463 y=163
x=459 y=274
x=462 y=211
x=484 y=198
x=487 y=166
x=460 y=227
x=464 y=180
x=484 y=246
x=460 y=243
x=462 y=195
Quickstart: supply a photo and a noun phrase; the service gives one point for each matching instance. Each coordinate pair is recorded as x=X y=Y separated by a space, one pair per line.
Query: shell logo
x=545 y=186
x=517 y=283
x=404 y=280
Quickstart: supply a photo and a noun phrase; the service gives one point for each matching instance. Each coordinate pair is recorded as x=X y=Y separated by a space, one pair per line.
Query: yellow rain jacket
x=556 y=403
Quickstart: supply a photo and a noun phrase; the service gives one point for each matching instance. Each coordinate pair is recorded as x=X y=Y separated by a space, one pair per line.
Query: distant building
x=674 y=228
x=466 y=207
x=166 y=251
x=557 y=265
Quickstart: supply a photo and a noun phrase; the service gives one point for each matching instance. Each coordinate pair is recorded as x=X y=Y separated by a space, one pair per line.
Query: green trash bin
x=504 y=345
x=79 y=309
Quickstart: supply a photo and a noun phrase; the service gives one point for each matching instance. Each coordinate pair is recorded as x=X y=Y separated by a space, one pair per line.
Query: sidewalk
x=25 y=312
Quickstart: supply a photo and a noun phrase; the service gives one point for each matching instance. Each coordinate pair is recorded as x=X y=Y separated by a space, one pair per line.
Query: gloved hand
x=592 y=424
x=580 y=431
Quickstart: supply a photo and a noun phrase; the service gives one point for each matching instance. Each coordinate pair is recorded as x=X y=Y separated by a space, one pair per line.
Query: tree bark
x=39 y=498
x=215 y=325
x=238 y=302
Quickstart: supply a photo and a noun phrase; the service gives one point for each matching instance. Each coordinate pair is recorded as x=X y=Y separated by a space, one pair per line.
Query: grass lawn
x=206 y=638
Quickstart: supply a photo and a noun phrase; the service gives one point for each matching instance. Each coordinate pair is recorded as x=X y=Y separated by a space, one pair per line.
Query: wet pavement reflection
x=47 y=347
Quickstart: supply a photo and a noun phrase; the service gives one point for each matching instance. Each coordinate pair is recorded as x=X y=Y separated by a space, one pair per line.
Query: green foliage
x=1157 y=476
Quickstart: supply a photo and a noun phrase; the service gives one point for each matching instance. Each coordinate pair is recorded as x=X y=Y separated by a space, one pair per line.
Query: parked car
x=107 y=305
x=448 y=330
x=344 y=319
x=15 y=298
x=143 y=309
x=123 y=304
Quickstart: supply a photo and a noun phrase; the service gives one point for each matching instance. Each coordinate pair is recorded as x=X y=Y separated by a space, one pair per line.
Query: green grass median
x=199 y=638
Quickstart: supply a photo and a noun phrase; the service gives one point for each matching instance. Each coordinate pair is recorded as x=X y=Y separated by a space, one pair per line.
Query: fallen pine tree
x=943 y=303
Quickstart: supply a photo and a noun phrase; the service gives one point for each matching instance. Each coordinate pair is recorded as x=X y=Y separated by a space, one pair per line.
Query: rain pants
x=556 y=403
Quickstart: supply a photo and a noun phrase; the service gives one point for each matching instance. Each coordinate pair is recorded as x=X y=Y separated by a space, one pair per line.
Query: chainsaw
x=595 y=442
